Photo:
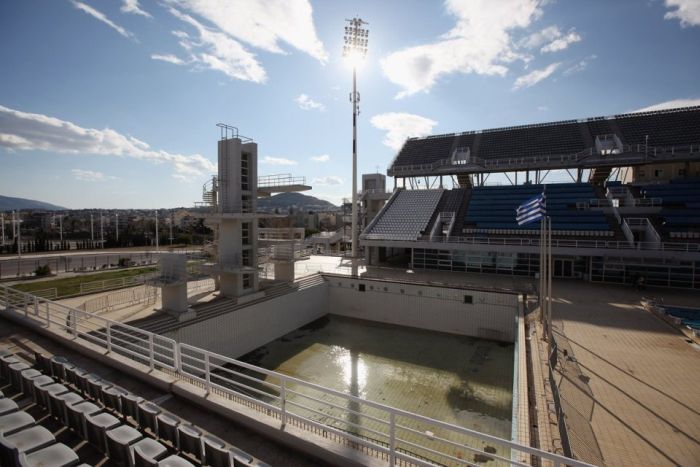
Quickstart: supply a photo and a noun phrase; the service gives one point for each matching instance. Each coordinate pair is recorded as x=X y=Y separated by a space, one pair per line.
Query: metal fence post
x=392 y=438
x=150 y=351
x=109 y=337
x=207 y=375
x=176 y=357
x=283 y=402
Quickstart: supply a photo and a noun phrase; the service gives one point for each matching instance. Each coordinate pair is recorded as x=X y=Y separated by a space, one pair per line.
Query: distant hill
x=8 y=203
x=298 y=201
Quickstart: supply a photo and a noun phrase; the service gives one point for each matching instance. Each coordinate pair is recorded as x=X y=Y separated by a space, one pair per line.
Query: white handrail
x=394 y=433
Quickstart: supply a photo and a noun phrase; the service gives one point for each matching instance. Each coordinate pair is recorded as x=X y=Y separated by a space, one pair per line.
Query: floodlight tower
x=355 y=50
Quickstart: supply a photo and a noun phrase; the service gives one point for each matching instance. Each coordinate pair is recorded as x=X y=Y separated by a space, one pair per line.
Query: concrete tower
x=235 y=217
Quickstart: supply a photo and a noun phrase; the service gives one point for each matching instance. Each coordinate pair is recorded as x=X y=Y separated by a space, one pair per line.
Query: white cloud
x=262 y=24
x=133 y=7
x=542 y=108
x=277 y=161
x=22 y=131
x=670 y=105
x=217 y=51
x=562 y=43
x=327 y=181
x=90 y=175
x=321 y=158
x=170 y=58
x=101 y=17
x=687 y=11
x=535 y=76
x=479 y=43
x=550 y=39
x=579 y=66
x=307 y=103
x=400 y=126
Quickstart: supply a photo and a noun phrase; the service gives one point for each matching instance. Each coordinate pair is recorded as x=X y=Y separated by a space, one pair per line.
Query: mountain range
x=8 y=203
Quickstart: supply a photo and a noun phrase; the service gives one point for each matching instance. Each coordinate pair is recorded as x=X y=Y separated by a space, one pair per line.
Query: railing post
x=176 y=357
x=392 y=438
x=109 y=337
x=283 y=402
x=48 y=319
x=207 y=375
x=151 y=363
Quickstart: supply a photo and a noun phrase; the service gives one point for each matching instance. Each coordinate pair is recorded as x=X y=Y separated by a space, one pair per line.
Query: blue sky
x=113 y=104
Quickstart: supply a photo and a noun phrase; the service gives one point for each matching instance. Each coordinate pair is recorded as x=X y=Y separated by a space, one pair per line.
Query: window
x=658 y=173
x=641 y=172
x=681 y=172
x=245 y=233
x=247 y=281
x=468 y=299
x=361 y=287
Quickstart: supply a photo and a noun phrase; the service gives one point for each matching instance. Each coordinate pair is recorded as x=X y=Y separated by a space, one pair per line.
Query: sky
x=114 y=103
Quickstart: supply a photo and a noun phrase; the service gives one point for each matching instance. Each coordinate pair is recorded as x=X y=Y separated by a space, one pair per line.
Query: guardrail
x=47 y=293
x=112 y=284
x=124 y=298
x=268 y=181
x=401 y=437
x=559 y=243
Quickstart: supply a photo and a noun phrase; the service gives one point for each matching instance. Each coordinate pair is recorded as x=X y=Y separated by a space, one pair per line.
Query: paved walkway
x=644 y=376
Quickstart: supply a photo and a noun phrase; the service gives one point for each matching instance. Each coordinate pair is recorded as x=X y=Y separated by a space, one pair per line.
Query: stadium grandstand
x=623 y=194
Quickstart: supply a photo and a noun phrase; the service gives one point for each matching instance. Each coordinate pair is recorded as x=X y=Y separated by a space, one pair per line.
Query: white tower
x=235 y=216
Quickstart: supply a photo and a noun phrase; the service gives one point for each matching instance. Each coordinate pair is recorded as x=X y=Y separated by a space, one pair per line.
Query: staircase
x=161 y=323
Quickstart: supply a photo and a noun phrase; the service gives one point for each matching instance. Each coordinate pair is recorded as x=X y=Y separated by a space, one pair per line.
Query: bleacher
x=406 y=216
x=124 y=428
x=679 y=217
x=492 y=210
x=664 y=128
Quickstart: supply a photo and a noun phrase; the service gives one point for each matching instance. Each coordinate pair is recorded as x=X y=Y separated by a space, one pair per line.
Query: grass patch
x=71 y=285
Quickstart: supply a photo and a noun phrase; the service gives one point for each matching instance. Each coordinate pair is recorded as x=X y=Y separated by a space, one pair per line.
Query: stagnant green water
x=459 y=380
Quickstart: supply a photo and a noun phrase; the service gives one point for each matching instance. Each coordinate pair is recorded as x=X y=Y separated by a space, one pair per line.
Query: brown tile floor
x=644 y=376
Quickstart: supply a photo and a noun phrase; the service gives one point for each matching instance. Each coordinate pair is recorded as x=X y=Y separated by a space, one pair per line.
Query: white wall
x=492 y=315
x=238 y=332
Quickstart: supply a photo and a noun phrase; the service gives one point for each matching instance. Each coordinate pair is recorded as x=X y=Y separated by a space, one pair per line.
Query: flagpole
x=542 y=271
x=549 y=277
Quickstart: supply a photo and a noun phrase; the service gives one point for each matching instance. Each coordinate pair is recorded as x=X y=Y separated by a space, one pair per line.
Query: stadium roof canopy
x=627 y=139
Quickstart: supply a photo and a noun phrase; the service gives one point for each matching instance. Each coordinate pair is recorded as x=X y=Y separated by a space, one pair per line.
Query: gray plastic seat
x=8 y=406
x=148 y=416
x=190 y=440
x=95 y=387
x=38 y=383
x=111 y=397
x=216 y=453
x=42 y=363
x=76 y=416
x=167 y=428
x=5 y=362
x=147 y=452
x=57 y=370
x=25 y=441
x=14 y=422
x=15 y=371
x=241 y=457
x=44 y=392
x=119 y=441
x=58 y=404
x=130 y=406
x=175 y=461
x=57 y=455
x=73 y=375
x=97 y=426
x=28 y=377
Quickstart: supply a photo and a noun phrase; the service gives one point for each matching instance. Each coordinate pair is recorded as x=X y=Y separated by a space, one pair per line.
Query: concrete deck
x=643 y=376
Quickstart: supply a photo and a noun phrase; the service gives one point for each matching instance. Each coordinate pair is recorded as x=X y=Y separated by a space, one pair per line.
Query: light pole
x=102 y=231
x=355 y=50
x=116 y=227
x=157 y=239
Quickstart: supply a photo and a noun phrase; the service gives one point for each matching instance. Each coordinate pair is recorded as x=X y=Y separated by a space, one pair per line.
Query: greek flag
x=531 y=210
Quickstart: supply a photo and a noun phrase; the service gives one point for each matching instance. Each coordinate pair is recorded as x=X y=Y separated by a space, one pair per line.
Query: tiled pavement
x=644 y=375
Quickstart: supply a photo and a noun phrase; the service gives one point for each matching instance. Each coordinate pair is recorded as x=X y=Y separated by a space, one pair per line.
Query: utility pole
x=116 y=230
x=157 y=246
x=92 y=230
x=102 y=231
x=60 y=227
x=171 y=228
x=2 y=221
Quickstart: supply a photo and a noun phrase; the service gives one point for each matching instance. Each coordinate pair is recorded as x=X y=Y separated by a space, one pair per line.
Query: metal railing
x=557 y=243
x=275 y=180
x=401 y=437
x=142 y=295
x=112 y=284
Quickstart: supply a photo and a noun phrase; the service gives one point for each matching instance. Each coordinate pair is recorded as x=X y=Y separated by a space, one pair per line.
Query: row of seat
x=128 y=429
x=658 y=129
x=505 y=230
